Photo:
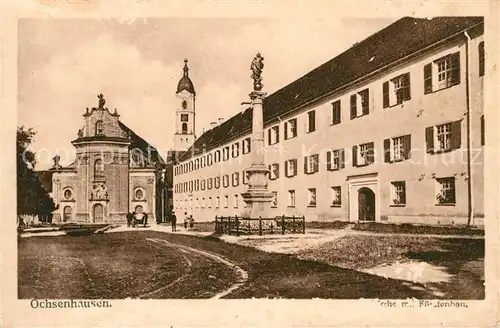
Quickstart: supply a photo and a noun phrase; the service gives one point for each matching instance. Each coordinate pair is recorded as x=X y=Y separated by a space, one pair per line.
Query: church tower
x=185 y=112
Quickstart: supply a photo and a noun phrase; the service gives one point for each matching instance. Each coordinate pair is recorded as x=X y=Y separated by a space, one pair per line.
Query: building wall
x=62 y=181
x=120 y=183
x=110 y=191
x=146 y=182
x=110 y=123
x=419 y=171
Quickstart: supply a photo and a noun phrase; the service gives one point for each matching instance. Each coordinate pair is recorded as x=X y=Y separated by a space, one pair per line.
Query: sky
x=64 y=63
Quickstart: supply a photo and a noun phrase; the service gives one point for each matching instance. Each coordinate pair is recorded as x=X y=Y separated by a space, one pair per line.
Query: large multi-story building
x=391 y=130
x=115 y=172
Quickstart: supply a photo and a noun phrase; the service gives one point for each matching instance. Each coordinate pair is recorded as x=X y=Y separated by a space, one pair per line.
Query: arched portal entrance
x=138 y=209
x=67 y=213
x=98 y=213
x=366 y=204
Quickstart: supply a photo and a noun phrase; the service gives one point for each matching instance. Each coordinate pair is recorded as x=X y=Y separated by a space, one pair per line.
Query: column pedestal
x=258 y=198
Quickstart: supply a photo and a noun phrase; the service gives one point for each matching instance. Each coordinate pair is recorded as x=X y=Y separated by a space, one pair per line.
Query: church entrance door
x=98 y=213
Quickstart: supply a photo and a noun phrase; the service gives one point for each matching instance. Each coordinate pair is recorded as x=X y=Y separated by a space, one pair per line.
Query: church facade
x=115 y=172
x=391 y=130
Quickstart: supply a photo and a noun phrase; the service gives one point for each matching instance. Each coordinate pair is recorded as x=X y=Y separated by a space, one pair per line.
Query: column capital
x=257 y=95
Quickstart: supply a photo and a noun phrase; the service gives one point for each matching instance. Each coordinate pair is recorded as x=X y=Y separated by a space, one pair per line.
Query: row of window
x=216 y=156
x=440 y=74
x=209 y=183
x=210 y=202
x=439 y=138
x=445 y=195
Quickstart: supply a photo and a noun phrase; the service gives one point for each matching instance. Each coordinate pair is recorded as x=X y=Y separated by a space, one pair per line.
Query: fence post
x=237 y=225
x=216 y=224
x=260 y=226
x=303 y=224
x=283 y=225
x=293 y=223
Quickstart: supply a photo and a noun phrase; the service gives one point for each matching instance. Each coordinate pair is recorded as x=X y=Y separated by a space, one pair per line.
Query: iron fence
x=234 y=225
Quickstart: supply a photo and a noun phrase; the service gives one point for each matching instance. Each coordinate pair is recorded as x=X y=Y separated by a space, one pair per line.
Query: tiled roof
x=230 y=128
x=143 y=145
x=397 y=41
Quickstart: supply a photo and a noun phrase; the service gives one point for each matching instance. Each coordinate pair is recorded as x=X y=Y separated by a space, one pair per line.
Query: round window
x=184 y=104
x=139 y=194
x=67 y=194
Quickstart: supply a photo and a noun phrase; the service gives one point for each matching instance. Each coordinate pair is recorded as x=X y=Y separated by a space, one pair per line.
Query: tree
x=32 y=198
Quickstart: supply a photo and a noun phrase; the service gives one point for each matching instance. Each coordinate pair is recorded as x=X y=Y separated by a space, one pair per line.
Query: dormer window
x=99 y=128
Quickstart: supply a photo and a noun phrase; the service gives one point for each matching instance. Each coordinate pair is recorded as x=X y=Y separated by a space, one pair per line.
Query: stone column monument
x=257 y=197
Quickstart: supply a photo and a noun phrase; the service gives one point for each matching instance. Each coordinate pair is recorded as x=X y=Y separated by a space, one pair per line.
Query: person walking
x=129 y=219
x=145 y=219
x=133 y=217
x=191 y=222
x=174 y=222
x=186 y=220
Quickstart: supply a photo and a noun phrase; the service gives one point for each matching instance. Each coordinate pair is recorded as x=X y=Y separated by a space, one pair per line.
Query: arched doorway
x=138 y=209
x=67 y=213
x=98 y=212
x=366 y=204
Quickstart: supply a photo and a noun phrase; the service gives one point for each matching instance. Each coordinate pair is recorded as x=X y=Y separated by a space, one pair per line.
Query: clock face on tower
x=184 y=104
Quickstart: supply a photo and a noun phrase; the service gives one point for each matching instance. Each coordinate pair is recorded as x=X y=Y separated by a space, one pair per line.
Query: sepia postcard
x=243 y=164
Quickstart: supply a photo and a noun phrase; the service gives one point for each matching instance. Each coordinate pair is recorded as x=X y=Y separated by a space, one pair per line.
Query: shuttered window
x=273 y=135
x=335 y=159
x=442 y=73
x=482 y=131
x=311 y=121
x=290 y=168
x=290 y=129
x=385 y=95
x=311 y=164
x=274 y=171
x=397 y=149
x=397 y=90
x=360 y=103
x=336 y=112
x=363 y=154
x=354 y=110
x=443 y=137
x=481 y=58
